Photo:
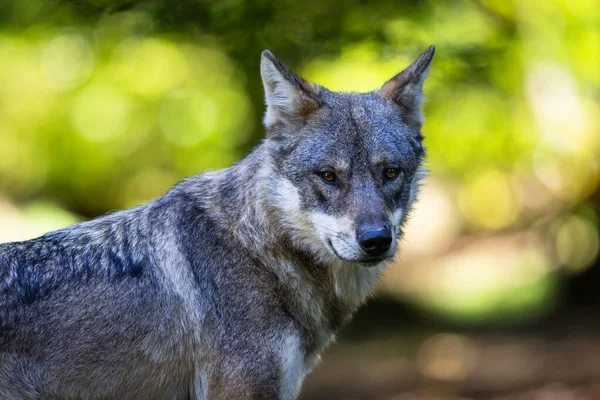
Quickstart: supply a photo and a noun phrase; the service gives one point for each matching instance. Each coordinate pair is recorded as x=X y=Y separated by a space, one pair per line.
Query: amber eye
x=328 y=176
x=390 y=173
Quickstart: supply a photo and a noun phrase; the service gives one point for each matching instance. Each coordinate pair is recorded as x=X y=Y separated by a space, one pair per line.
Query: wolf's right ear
x=406 y=89
x=290 y=99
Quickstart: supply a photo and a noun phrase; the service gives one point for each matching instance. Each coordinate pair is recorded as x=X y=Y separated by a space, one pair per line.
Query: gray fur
x=231 y=284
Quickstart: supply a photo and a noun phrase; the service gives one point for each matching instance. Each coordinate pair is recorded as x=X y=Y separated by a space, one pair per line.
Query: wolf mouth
x=367 y=262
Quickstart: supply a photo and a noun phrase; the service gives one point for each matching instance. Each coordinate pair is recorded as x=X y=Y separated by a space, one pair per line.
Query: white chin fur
x=344 y=250
x=337 y=235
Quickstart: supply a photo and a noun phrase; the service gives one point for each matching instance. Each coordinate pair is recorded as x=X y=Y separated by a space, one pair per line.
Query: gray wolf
x=231 y=284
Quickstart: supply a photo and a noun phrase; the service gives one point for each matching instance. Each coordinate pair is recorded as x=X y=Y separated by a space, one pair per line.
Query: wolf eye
x=328 y=176
x=390 y=173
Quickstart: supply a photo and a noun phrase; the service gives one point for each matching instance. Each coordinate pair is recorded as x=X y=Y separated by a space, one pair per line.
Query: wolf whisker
x=326 y=228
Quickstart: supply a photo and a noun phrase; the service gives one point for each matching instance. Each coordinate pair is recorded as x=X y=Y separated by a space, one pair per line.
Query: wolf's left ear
x=290 y=99
x=406 y=89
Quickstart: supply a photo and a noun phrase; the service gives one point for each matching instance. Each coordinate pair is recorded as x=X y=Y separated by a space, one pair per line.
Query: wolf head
x=344 y=167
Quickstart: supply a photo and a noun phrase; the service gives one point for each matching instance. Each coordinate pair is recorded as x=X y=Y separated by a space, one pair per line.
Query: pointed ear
x=290 y=99
x=406 y=89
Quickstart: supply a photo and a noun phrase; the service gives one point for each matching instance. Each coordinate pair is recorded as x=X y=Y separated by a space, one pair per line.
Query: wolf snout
x=375 y=241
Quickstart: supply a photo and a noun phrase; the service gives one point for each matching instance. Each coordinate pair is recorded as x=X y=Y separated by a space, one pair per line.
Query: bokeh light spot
x=570 y=175
x=149 y=67
x=187 y=116
x=577 y=242
x=488 y=200
x=358 y=69
x=67 y=61
x=100 y=112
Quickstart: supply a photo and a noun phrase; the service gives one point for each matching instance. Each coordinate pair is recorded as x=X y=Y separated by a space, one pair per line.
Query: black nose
x=375 y=241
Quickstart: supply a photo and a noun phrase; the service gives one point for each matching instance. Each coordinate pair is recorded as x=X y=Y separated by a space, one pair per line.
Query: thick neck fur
x=321 y=292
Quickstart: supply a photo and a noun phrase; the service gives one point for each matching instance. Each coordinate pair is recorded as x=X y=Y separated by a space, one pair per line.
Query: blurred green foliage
x=104 y=104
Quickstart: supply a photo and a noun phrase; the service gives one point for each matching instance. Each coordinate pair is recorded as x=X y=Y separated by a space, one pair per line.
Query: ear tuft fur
x=290 y=99
x=406 y=89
